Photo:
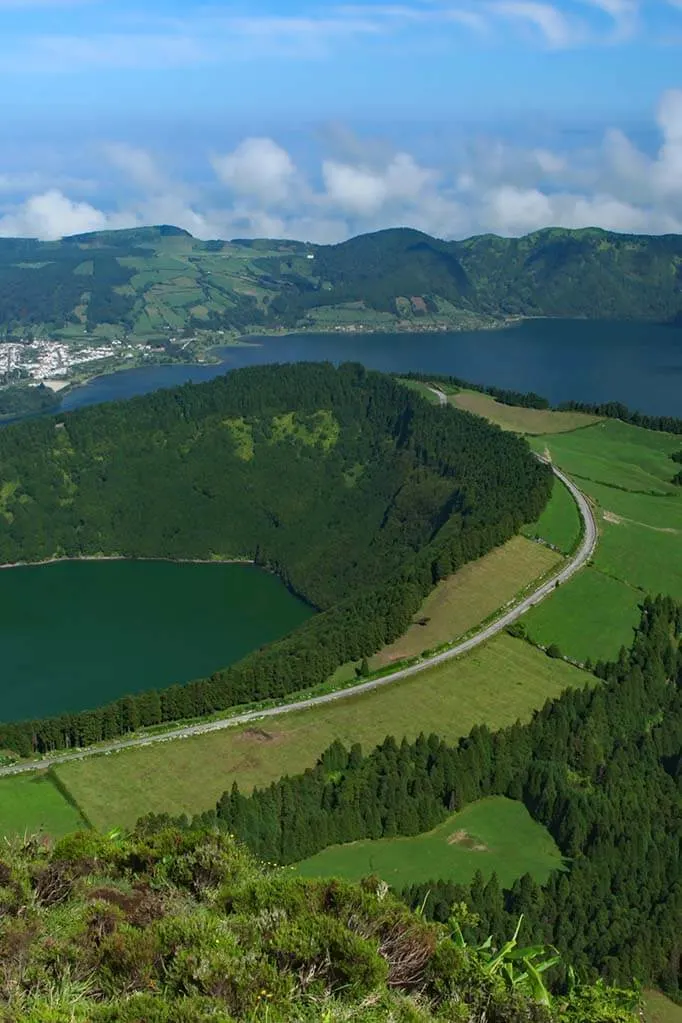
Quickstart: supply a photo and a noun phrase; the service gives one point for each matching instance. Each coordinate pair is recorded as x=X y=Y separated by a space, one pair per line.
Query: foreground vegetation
x=494 y=836
x=172 y=927
x=499 y=683
x=599 y=768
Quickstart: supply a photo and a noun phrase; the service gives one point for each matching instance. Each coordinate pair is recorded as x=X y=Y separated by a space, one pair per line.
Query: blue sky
x=325 y=118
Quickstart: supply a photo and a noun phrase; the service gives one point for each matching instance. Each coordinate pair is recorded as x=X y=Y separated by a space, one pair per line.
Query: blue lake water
x=638 y=364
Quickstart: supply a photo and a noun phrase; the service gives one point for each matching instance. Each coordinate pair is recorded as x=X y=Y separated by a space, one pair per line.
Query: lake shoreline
x=125 y=557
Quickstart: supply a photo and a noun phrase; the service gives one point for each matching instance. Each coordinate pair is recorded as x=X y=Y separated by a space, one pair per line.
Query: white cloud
x=258 y=167
x=489 y=186
x=52 y=215
x=361 y=191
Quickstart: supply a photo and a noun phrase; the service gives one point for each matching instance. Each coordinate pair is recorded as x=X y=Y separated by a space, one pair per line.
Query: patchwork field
x=627 y=473
x=467 y=598
x=521 y=420
x=30 y=803
x=495 y=835
x=498 y=683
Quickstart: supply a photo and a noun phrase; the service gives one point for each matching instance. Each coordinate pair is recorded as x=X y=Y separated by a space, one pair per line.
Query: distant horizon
x=236 y=240
x=323 y=120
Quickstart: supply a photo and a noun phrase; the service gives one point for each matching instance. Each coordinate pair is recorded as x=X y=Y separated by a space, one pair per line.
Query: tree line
x=361 y=500
x=600 y=767
x=505 y=395
x=616 y=410
x=607 y=409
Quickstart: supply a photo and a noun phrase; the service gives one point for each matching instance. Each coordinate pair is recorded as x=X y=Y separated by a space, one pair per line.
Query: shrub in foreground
x=184 y=927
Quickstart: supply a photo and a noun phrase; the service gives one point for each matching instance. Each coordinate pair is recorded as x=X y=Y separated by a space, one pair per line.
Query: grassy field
x=626 y=471
x=521 y=420
x=591 y=616
x=495 y=835
x=497 y=683
x=616 y=454
x=32 y=802
x=559 y=524
x=659 y=1009
x=643 y=557
x=469 y=596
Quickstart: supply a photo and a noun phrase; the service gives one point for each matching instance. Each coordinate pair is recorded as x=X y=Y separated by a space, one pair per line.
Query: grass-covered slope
x=354 y=489
x=628 y=473
x=148 y=281
x=494 y=836
x=169 y=927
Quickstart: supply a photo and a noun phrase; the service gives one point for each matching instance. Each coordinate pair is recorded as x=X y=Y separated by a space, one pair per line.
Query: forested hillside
x=600 y=768
x=356 y=491
x=154 y=280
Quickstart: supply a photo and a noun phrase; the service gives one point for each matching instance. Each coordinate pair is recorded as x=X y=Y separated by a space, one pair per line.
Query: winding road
x=582 y=556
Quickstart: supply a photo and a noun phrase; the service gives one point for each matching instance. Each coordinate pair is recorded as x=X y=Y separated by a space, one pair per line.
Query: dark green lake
x=74 y=635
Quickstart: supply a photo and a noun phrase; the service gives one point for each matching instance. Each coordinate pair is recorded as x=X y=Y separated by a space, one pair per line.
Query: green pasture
x=559 y=523
x=650 y=559
x=494 y=835
x=626 y=472
x=658 y=512
x=528 y=421
x=32 y=802
x=499 y=683
x=467 y=598
x=659 y=1009
x=592 y=615
x=615 y=454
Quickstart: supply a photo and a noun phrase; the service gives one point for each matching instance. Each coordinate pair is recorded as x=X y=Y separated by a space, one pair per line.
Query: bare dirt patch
x=259 y=735
x=465 y=840
x=618 y=520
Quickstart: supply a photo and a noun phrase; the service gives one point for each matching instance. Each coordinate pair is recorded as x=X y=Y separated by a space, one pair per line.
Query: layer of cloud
x=259 y=190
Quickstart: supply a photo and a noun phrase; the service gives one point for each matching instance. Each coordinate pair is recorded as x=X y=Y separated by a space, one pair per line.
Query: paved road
x=582 y=556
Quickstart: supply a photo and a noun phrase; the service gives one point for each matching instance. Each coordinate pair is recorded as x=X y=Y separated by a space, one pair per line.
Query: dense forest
x=165 y=926
x=600 y=767
x=361 y=500
x=18 y=400
x=150 y=275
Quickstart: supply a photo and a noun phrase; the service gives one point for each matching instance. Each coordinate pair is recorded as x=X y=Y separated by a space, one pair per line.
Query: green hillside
x=162 y=282
x=360 y=500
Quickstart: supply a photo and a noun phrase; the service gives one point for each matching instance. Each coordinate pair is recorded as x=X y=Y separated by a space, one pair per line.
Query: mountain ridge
x=161 y=281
